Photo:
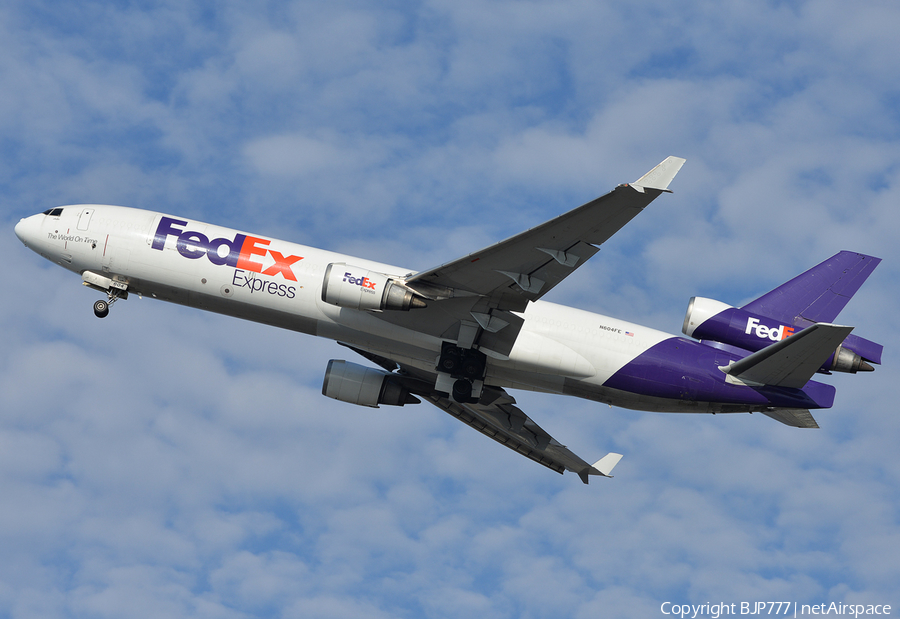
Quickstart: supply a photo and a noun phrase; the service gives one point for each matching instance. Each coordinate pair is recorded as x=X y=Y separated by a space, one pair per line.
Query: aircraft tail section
x=814 y=297
x=819 y=295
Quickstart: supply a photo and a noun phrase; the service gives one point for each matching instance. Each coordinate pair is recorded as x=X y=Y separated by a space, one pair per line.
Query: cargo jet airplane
x=460 y=334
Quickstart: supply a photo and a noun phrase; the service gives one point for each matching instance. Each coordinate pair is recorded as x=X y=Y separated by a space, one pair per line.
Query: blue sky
x=166 y=462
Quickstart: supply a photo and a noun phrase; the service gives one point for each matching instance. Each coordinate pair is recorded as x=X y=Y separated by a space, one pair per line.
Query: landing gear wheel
x=101 y=309
x=449 y=359
x=462 y=391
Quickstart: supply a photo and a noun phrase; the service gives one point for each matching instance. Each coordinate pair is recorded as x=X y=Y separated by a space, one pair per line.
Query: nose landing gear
x=101 y=307
x=115 y=289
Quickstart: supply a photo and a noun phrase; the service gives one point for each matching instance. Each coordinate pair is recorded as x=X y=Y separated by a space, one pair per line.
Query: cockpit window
x=54 y=212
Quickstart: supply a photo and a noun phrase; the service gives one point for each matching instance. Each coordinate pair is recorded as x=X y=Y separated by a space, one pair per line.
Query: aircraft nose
x=27 y=229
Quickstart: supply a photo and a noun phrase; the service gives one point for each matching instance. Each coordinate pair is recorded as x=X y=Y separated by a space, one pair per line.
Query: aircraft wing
x=525 y=267
x=504 y=422
x=497 y=416
x=483 y=288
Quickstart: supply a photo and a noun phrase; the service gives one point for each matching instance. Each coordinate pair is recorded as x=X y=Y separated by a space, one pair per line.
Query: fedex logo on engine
x=763 y=332
x=365 y=283
x=239 y=252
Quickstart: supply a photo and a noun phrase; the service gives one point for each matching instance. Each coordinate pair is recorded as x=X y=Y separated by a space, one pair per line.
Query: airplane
x=461 y=334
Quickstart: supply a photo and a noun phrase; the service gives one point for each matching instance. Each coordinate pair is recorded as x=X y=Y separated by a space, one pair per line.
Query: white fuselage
x=280 y=283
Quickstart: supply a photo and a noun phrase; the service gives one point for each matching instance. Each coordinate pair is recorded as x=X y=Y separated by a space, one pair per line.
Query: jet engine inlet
x=357 y=384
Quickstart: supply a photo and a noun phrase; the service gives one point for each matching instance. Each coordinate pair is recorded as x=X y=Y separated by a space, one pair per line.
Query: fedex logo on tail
x=763 y=332
x=239 y=252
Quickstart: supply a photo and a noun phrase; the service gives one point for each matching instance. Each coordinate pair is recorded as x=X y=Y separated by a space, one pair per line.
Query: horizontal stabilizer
x=795 y=417
x=792 y=361
x=660 y=176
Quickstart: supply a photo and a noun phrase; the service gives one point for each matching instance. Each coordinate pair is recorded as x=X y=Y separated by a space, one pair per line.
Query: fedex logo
x=365 y=283
x=239 y=252
x=763 y=332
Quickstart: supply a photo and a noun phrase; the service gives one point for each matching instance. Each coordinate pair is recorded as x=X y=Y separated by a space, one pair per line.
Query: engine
x=358 y=288
x=357 y=384
x=708 y=319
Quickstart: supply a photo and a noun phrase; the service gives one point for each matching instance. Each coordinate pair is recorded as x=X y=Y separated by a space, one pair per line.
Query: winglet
x=660 y=176
x=602 y=467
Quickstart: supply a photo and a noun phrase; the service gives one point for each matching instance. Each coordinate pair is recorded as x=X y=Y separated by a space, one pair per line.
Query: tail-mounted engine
x=708 y=319
x=357 y=384
x=358 y=288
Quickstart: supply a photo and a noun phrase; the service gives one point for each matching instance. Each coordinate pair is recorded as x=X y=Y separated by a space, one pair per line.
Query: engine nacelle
x=357 y=384
x=358 y=288
x=701 y=309
x=708 y=319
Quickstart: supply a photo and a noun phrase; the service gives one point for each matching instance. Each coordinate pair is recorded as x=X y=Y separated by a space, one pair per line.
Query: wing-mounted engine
x=358 y=288
x=357 y=384
x=711 y=320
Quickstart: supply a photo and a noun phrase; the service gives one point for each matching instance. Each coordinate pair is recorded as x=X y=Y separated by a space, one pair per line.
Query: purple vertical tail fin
x=819 y=295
